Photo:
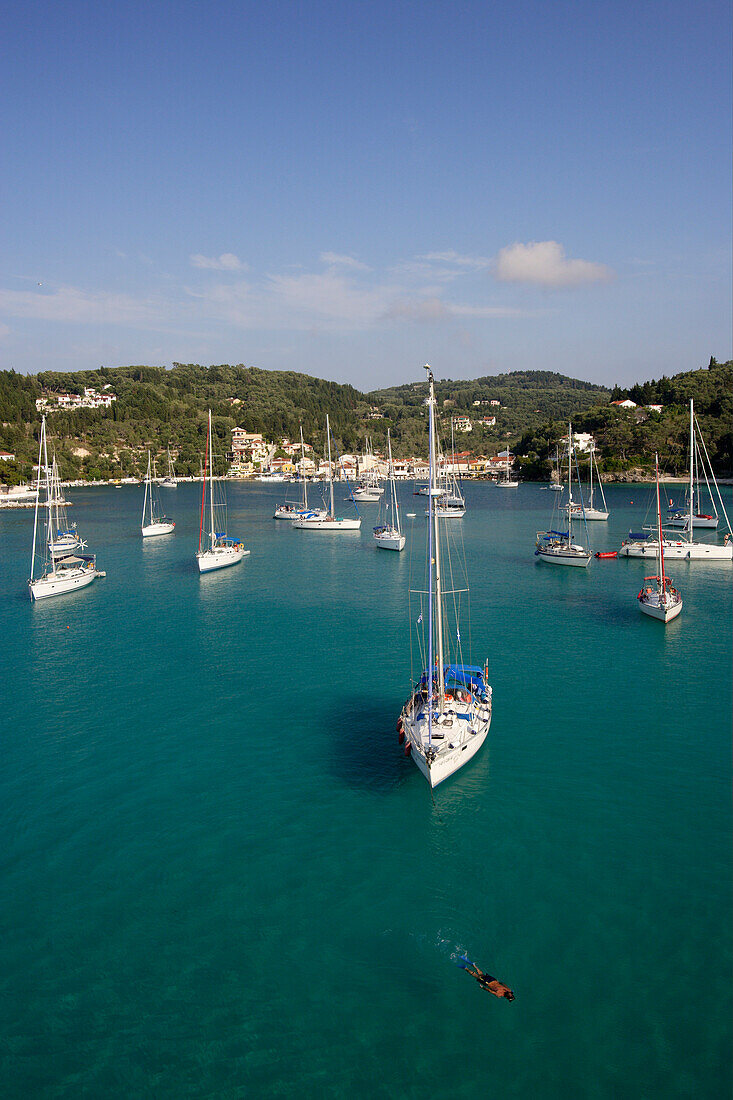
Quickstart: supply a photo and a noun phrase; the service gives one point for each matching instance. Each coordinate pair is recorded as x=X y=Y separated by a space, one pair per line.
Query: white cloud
x=337 y=260
x=69 y=303
x=471 y=263
x=226 y=262
x=544 y=263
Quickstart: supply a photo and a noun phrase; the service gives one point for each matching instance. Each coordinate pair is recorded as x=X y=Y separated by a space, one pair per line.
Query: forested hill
x=156 y=407
x=526 y=397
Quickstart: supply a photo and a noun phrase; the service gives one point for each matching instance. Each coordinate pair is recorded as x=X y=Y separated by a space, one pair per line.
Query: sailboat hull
x=59 y=584
x=565 y=557
x=685 y=551
x=710 y=522
x=157 y=529
x=447 y=765
x=328 y=525
x=664 y=611
x=220 y=557
x=591 y=513
x=390 y=542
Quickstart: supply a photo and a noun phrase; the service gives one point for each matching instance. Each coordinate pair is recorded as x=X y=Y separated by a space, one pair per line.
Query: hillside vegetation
x=156 y=407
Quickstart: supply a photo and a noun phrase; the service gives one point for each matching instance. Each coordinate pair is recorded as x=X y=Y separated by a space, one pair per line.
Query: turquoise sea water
x=220 y=876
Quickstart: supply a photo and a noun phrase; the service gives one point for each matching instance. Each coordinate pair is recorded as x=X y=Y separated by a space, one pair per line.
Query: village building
x=6 y=456
x=625 y=404
x=462 y=423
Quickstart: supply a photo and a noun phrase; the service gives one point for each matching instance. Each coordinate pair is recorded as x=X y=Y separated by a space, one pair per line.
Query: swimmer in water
x=487 y=982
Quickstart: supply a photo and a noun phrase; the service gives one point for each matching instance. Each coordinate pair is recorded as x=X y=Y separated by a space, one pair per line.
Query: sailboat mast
x=590 y=499
x=570 y=484
x=393 y=487
x=203 y=490
x=330 y=472
x=302 y=470
x=211 y=485
x=431 y=505
x=692 y=463
x=147 y=486
x=662 y=585
x=436 y=551
x=38 y=493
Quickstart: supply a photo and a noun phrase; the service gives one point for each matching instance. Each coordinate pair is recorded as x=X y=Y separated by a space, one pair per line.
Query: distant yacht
x=589 y=511
x=153 y=522
x=216 y=549
x=645 y=544
x=64 y=568
x=388 y=535
x=300 y=509
x=329 y=522
x=169 y=481
x=659 y=599
x=558 y=547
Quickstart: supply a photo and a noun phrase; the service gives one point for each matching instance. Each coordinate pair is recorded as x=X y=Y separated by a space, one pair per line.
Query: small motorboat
x=607 y=553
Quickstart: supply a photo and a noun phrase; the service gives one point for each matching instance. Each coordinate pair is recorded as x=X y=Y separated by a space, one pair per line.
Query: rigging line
x=715 y=482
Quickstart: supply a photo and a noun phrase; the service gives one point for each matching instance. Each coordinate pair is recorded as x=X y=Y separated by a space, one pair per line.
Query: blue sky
x=352 y=189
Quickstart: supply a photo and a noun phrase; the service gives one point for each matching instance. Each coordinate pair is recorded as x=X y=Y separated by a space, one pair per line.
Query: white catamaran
x=328 y=522
x=388 y=535
x=558 y=547
x=153 y=523
x=216 y=549
x=658 y=598
x=64 y=569
x=645 y=544
x=447 y=717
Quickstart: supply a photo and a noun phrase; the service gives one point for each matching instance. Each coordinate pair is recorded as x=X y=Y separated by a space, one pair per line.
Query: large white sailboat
x=684 y=546
x=658 y=597
x=388 y=535
x=330 y=522
x=153 y=522
x=450 y=504
x=216 y=549
x=589 y=510
x=64 y=569
x=558 y=547
x=300 y=508
x=447 y=717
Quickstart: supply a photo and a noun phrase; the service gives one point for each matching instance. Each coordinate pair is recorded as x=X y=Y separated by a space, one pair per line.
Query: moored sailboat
x=589 y=510
x=659 y=599
x=153 y=523
x=300 y=508
x=388 y=535
x=558 y=547
x=328 y=522
x=645 y=545
x=216 y=549
x=447 y=717
x=64 y=569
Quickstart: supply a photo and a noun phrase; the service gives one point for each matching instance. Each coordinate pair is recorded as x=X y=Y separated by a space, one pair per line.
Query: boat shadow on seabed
x=365 y=749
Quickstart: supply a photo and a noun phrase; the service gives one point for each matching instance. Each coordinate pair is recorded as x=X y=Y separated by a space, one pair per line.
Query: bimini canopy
x=468 y=676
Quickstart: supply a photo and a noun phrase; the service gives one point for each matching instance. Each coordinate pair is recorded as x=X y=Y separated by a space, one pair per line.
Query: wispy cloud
x=226 y=262
x=544 y=263
x=337 y=260
x=471 y=263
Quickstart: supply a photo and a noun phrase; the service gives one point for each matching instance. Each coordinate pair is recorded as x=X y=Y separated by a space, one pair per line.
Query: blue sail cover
x=643 y=536
x=560 y=534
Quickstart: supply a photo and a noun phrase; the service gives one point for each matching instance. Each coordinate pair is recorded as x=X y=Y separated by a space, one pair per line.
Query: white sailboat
x=447 y=717
x=368 y=490
x=659 y=599
x=388 y=535
x=684 y=546
x=557 y=547
x=590 y=511
x=699 y=461
x=450 y=504
x=557 y=486
x=153 y=523
x=169 y=481
x=64 y=570
x=330 y=523
x=216 y=549
x=507 y=482
x=300 y=508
